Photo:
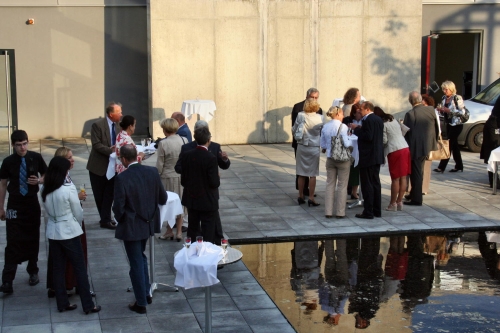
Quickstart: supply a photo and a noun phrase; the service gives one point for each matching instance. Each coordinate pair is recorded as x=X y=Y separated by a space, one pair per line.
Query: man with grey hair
x=299 y=107
x=422 y=139
x=222 y=161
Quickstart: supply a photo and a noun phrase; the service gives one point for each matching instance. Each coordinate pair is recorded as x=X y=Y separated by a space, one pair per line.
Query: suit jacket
x=214 y=148
x=370 y=141
x=424 y=130
x=200 y=179
x=138 y=192
x=185 y=132
x=101 y=147
x=295 y=111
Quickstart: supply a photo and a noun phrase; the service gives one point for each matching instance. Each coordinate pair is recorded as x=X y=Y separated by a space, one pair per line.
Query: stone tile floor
x=257 y=204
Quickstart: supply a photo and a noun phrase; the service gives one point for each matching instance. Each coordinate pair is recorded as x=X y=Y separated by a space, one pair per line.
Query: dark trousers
x=139 y=275
x=204 y=223
x=371 y=190
x=453 y=133
x=10 y=269
x=103 y=189
x=417 y=179
x=306 y=183
x=61 y=251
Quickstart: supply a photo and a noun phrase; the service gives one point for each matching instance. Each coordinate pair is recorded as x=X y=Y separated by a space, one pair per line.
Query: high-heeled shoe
x=178 y=237
x=400 y=205
x=438 y=170
x=95 y=309
x=167 y=236
x=456 y=170
x=68 y=308
x=393 y=207
x=300 y=200
x=312 y=203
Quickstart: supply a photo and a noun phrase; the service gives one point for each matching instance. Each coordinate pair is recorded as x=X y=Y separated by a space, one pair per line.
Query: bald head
x=179 y=117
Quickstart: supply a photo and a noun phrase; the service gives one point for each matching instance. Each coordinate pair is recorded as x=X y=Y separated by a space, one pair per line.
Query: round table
x=204 y=107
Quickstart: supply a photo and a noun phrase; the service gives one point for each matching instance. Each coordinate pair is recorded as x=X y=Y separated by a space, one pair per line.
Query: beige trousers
x=337 y=177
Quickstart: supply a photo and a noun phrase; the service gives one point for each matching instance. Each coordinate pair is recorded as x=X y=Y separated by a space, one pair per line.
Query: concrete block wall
x=256 y=58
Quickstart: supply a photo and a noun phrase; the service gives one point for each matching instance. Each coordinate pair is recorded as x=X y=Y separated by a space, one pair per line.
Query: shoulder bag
x=299 y=132
x=340 y=153
x=443 y=151
x=465 y=116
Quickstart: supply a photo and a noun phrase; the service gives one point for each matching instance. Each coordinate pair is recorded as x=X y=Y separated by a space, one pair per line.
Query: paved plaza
x=257 y=204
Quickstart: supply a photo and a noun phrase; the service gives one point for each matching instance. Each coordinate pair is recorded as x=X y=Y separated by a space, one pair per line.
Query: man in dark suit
x=299 y=107
x=422 y=139
x=200 y=179
x=138 y=192
x=371 y=156
x=103 y=137
x=222 y=161
x=183 y=127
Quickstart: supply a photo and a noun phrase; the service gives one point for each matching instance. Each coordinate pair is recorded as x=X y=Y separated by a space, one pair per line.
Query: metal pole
x=7 y=85
x=208 y=309
x=495 y=175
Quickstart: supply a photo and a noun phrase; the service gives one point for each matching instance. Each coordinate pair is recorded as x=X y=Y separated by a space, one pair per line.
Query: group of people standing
x=378 y=137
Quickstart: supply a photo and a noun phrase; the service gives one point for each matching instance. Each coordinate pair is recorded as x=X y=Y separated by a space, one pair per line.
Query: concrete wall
x=466 y=17
x=73 y=60
x=256 y=58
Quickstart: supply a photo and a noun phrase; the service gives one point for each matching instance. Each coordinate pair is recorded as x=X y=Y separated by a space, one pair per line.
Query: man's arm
x=119 y=199
x=3 y=191
x=222 y=159
x=98 y=143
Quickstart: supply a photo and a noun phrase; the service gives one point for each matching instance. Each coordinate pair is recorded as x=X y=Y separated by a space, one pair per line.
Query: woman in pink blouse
x=128 y=128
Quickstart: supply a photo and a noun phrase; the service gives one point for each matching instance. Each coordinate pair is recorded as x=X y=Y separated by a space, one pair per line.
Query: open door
x=8 y=105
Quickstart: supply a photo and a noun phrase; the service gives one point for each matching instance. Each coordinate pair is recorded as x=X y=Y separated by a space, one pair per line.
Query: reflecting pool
x=409 y=283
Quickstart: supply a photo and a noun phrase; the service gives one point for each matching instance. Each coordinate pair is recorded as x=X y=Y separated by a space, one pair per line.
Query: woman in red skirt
x=398 y=156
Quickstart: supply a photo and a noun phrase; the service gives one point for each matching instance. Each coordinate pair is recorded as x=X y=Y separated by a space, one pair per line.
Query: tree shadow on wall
x=275 y=129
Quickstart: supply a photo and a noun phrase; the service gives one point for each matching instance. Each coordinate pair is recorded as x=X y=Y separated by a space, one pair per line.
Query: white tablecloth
x=494 y=157
x=355 y=151
x=171 y=209
x=203 y=107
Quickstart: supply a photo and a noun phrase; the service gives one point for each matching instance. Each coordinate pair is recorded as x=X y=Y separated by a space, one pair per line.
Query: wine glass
x=187 y=242
x=143 y=142
x=148 y=141
x=199 y=239
x=223 y=244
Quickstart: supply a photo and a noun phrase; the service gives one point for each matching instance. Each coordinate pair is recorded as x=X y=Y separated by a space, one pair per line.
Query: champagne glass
x=199 y=239
x=82 y=189
x=187 y=242
x=148 y=141
x=143 y=142
x=223 y=244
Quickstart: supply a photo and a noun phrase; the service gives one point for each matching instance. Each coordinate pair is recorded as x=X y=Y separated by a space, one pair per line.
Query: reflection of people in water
x=417 y=284
x=365 y=300
x=438 y=245
x=490 y=255
x=334 y=289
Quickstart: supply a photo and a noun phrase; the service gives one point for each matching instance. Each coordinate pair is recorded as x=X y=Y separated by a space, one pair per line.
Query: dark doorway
x=8 y=101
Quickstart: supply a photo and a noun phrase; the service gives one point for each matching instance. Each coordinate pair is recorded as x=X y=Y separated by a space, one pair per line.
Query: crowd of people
x=127 y=201
x=405 y=145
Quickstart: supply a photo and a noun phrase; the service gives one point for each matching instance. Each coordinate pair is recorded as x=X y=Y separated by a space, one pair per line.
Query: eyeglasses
x=22 y=144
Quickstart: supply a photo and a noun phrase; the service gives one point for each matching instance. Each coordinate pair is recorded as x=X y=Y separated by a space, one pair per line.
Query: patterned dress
x=123 y=139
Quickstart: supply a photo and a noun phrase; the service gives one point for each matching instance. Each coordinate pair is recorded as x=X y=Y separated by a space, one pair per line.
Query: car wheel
x=475 y=138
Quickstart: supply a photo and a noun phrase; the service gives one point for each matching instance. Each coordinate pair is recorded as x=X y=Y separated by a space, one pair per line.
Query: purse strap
x=338 y=132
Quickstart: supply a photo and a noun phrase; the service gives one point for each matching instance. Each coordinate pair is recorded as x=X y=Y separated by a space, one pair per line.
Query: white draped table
x=204 y=107
x=171 y=209
x=493 y=166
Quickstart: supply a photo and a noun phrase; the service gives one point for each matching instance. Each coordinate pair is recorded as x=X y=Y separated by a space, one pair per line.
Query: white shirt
x=330 y=129
x=110 y=125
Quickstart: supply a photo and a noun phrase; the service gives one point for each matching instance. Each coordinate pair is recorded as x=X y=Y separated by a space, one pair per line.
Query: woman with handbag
x=398 y=157
x=306 y=131
x=337 y=169
x=452 y=106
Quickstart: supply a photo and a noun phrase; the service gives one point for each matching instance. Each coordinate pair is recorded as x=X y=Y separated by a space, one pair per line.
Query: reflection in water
x=408 y=283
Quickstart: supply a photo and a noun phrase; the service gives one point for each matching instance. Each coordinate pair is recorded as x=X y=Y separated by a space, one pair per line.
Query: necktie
x=23 y=185
x=113 y=134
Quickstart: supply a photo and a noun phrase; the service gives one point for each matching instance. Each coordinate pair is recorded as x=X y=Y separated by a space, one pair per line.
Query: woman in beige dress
x=168 y=154
x=308 y=151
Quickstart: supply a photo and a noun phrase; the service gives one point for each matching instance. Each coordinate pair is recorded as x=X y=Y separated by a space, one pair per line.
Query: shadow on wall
x=275 y=129
x=87 y=127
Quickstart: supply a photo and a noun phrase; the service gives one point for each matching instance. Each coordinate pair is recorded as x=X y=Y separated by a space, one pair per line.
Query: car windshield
x=489 y=95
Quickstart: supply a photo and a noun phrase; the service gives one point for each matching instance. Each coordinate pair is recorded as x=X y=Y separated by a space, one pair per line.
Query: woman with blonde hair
x=306 y=130
x=168 y=154
x=337 y=173
x=452 y=106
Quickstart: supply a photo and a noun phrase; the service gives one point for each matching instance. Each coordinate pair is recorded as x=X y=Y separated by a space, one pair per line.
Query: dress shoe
x=412 y=203
x=456 y=170
x=438 y=170
x=149 y=299
x=328 y=216
x=6 y=288
x=378 y=216
x=33 y=281
x=95 y=309
x=108 y=225
x=393 y=207
x=356 y=197
x=312 y=203
x=137 y=308
x=68 y=308
x=340 y=217
x=363 y=216
x=300 y=200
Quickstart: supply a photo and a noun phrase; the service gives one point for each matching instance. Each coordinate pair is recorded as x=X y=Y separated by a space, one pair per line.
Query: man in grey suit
x=103 y=137
x=422 y=139
x=138 y=192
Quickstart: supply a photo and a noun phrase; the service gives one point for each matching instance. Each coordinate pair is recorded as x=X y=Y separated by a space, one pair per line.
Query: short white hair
x=200 y=124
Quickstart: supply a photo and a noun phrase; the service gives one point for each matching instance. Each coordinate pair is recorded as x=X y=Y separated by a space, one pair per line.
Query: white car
x=479 y=107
